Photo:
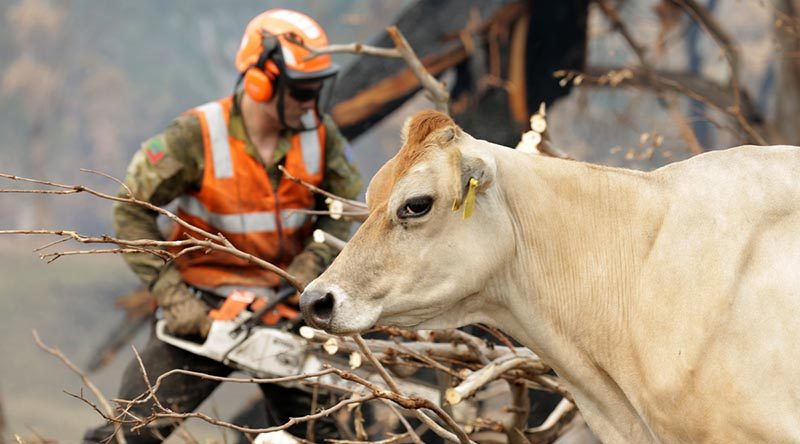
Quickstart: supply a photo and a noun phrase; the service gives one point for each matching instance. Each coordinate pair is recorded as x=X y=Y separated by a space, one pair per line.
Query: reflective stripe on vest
x=309 y=142
x=221 y=149
x=243 y=222
x=218 y=137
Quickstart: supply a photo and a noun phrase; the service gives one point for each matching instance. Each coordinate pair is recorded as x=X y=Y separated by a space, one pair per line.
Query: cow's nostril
x=317 y=308
x=323 y=308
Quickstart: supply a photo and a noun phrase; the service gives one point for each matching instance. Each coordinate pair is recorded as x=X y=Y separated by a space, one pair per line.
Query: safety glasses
x=303 y=94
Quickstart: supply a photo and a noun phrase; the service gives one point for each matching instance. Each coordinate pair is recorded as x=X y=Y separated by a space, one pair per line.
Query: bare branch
x=489 y=373
x=521 y=410
x=457 y=352
x=359 y=216
x=322 y=237
x=411 y=433
x=690 y=85
x=620 y=27
x=427 y=359
x=207 y=240
x=701 y=17
x=131 y=200
x=110 y=177
x=552 y=427
x=551 y=383
x=15 y=191
x=473 y=342
x=459 y=433
x=685 y=130
x=438 y=95
x=318 y=190
x=354 y=48
x=52 y=257
x=50 y=244
x=84 y=378
x=292 y=421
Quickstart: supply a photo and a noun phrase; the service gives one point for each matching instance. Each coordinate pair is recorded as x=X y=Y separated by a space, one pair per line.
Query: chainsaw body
x=240 y=339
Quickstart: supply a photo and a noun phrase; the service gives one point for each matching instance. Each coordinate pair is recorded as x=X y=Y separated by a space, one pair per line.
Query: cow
x=668 y=301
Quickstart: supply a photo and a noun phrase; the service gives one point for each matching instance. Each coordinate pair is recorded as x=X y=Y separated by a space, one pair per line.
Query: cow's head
x=437 y=232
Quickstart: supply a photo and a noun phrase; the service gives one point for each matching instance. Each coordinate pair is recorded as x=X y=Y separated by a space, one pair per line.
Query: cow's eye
x=415 y=207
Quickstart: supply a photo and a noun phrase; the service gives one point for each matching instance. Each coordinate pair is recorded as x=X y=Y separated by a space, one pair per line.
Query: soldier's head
x=277 y=69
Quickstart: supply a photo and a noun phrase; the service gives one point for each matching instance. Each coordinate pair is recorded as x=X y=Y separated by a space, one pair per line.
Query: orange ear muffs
x=259 y=83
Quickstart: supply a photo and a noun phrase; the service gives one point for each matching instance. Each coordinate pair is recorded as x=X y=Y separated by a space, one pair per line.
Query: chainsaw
x=256 y=335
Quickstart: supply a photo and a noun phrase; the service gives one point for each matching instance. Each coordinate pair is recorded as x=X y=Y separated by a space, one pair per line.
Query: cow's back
x=745 y=175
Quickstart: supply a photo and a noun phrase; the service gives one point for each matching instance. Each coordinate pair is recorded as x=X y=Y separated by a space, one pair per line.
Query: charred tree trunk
x=523 y=53
x=373 y=87
x=504 y=54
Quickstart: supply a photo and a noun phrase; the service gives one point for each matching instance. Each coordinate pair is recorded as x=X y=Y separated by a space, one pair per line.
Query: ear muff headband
x=259 y=79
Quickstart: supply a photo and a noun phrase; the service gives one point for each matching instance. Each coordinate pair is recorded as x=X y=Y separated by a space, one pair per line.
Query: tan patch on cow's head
x=425 y=131
x=419 y=127
x=416 y=132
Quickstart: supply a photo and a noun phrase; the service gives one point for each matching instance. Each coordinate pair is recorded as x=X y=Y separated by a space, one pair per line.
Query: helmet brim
x=300 y=76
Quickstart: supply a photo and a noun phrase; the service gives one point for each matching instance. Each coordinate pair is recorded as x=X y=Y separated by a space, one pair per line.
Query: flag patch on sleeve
x=155 y=150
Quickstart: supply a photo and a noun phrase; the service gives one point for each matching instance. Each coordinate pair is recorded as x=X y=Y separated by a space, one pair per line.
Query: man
x=220 y=161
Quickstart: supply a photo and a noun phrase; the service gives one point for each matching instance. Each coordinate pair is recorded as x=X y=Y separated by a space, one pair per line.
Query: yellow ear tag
x=469 y=201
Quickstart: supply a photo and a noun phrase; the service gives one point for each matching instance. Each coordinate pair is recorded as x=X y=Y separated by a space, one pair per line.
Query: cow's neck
x=583 y=233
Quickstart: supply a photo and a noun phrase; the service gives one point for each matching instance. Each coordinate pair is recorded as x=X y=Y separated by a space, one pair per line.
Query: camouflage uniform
x=166 y=166
x=181 y=169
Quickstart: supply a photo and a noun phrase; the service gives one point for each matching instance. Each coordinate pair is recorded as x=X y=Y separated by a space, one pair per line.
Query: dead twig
x=700 y=15
x=411 y=433
x=206 y=240
x=354 y=48
x=85 y=379
x=354 y=203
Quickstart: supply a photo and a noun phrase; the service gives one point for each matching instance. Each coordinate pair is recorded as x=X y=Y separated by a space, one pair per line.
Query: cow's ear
x=477 y=173
x=480 y=168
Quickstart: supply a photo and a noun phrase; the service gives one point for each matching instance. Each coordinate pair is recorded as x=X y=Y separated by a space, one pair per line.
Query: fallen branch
x=458 y=434
x=489 y=373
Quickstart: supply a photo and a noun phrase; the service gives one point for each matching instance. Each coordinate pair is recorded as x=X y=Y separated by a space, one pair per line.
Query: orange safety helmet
x=274 y=44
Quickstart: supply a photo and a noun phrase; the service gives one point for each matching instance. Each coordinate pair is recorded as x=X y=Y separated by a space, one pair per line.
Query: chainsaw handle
x=281 y=295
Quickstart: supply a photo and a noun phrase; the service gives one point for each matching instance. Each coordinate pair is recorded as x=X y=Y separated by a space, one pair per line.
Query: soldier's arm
x=341 y=178
x=164 y=168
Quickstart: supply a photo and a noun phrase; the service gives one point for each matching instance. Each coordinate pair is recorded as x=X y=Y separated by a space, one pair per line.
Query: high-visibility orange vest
x=237 y=199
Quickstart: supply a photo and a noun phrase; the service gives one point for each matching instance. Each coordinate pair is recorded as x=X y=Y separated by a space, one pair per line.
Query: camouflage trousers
x=184 y=393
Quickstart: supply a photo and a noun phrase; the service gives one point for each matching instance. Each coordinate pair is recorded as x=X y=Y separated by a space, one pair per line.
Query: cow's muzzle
x=317 y=307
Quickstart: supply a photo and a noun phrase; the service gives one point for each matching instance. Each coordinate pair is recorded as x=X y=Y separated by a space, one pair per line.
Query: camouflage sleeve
x=165 y=166
x=341 y=178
